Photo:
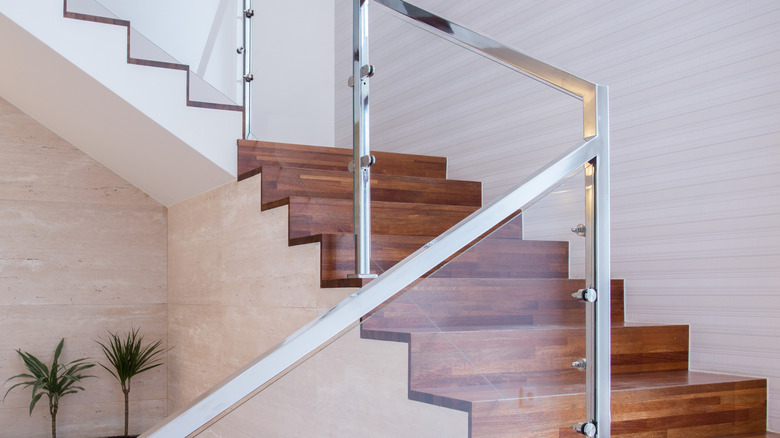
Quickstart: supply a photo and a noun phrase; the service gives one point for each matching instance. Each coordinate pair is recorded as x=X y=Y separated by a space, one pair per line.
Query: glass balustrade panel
x=482 y=345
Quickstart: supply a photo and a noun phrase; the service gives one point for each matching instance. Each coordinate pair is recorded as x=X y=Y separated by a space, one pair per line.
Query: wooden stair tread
x=509 y=258
x=670 y=381
x=463 y=302
x=753 y=435
x=279 y=183
x=468 y=358
x=252 y=155
x=329 y=216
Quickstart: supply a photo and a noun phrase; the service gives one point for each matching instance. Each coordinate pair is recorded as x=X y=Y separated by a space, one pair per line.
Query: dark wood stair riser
x=720 y=409
x=518 y=357
x=279 y=183
x=309 y=217
x=469 y=302
x=252 y=155
x=519 y=259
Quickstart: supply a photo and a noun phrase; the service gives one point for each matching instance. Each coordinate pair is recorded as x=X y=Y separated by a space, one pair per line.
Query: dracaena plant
x=54 y=381
x=128 y=357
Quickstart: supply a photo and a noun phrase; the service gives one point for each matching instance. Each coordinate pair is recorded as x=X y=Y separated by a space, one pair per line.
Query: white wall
x=73 y=77
x=292 y=54
x=293 y=69
x=695 y=123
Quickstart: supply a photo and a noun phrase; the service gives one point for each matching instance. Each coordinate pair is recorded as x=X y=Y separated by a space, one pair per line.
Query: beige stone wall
x=352 y=388
x=81 y=251
x=235 y=288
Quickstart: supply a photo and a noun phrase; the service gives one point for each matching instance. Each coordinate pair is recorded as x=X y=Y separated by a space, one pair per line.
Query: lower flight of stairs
x=494 y=332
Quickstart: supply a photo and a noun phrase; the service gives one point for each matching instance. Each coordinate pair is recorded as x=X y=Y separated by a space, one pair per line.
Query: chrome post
x=598 y=323
x=361 y=155
x=246 y=52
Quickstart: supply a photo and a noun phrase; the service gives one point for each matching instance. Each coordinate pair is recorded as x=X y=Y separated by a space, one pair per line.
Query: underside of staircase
x=505 y=303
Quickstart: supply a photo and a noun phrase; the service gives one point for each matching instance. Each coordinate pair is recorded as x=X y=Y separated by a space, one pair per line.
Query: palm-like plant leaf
x=55 y=381
x=128 y=357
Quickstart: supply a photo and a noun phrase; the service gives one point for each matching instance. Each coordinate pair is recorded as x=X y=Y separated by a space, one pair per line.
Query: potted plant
x=55 y=381
x=128 y=357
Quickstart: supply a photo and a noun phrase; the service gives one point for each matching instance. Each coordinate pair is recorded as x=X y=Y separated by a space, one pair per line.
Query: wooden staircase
x=503 y=307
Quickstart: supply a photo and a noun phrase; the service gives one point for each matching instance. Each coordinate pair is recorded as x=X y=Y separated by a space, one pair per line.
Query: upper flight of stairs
x=503 y=307
x=75 y=77
x=153 y=56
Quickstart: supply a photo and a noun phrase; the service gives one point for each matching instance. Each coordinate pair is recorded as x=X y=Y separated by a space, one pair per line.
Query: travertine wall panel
x=235 y=286
x=81 y=252
x=354 y=387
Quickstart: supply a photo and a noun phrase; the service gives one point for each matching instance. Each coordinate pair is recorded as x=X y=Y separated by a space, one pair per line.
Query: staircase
x=505 y=304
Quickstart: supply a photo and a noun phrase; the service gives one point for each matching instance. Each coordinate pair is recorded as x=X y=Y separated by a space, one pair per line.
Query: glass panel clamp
x=588 y=295
x=588 y=429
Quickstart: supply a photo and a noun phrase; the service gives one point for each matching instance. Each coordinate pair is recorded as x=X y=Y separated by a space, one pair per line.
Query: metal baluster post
x=597 y=279
x=361 y=155
x=601 y=270
x=246 y=51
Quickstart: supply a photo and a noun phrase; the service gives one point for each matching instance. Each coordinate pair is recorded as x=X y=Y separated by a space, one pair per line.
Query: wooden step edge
x=482 y=393
x=335 y=184
x=401 y=163
x=344 y=282
x=764 y=434
x=439 y=400
x=249 y=173
x=530 y=328
x=275 y=204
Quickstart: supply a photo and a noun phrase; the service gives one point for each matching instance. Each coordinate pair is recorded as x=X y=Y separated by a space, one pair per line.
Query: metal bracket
x=581 y=364
x=367 y=71
x=588 y=295
x=249 y=77
x=249 y=13
x=365 y=161
x=588 y=429
x=579 y=230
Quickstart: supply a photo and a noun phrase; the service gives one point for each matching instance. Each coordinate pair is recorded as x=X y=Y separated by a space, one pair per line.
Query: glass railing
x=481 y=343
x=504 y=316
x=209 y=56
x=481 y=346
